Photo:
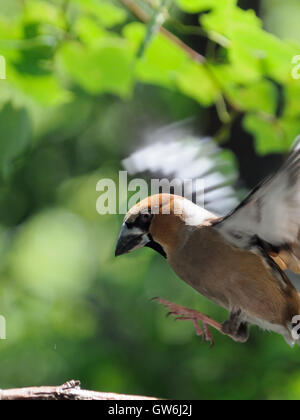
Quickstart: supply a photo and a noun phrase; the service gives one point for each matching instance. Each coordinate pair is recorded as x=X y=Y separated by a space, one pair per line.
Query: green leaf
x=252 y=52
x=89 y=31
x=268 y=135
x=9 y=31
x=195 y=81
x=162 y=61
x=291 y=127
x=292 y=102
x=44 y=89
x=259 y=96
x=195 y=6
x=134 y=32
x=15 y=129
x=105 y=67
x=244 y=65
x=105 y=11
x=224 y=20
x=42 y=11
x=271 y=135
x=274 y=55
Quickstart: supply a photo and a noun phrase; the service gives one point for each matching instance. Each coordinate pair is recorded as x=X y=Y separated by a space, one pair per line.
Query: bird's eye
x=145 y=217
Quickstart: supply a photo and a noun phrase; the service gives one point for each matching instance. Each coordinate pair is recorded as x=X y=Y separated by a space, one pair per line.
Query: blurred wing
x=271 y=212
x=173 y=153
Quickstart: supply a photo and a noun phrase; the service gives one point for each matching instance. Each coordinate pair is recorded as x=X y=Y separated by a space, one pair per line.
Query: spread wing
x=174 y=153
x=271 y=212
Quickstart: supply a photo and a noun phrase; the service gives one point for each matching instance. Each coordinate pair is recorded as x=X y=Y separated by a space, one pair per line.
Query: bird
x=237 y=260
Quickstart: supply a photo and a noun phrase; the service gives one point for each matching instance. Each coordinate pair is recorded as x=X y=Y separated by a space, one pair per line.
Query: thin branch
x=144 y=17
x=192 y=53
x=69 y=391
x=136 y=10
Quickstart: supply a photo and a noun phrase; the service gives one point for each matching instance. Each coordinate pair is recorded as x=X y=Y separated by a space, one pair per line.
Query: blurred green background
x=83 y=80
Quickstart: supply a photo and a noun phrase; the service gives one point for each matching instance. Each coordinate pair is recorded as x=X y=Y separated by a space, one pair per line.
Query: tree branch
x=144 y=17
x=223 y=114
x=69 y=391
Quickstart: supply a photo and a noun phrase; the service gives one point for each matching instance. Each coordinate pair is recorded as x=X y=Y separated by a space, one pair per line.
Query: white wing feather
x=173 y=152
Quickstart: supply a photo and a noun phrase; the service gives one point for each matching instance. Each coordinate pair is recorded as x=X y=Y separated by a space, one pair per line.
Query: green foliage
x=162 y=61
x=194 y=6
x=75 y=93
x=196 y=82
x=75 y=43
x=106 y=67
x=106 y=13
x=15 y=136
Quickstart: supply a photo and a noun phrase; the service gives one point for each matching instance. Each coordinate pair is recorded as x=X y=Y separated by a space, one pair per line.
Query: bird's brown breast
x=233 y=277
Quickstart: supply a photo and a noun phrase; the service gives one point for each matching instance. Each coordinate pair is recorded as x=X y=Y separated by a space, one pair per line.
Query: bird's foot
x=184 y=314
x=236 y=327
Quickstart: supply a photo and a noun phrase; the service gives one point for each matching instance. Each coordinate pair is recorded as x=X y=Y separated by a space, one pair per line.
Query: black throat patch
x=155 y=245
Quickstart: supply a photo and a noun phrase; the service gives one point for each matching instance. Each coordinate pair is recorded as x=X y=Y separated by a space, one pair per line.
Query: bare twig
x=144 y=17
x=69 y=391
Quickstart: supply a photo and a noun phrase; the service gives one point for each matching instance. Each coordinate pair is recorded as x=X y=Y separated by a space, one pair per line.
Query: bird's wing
x=271 y=212
x=174 y=153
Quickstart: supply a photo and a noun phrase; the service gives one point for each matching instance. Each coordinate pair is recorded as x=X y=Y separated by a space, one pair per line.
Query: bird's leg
x=243 y=333
x=236 y=327
x=185 y=314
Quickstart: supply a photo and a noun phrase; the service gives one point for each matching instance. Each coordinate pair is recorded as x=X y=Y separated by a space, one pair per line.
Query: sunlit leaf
x=106 y=67
x=44 y=89
x=194 y=6
x=274 y=55
x=107 y=12
x=251 y=50
x=89 y=31
x=292 y=95
x=196 y=81
x=224 y=21
x=271 y=134
x=162 y=60
x=261 y=95
x=43 y=11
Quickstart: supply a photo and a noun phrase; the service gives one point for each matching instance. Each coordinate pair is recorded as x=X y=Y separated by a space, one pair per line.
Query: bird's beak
x=130 y=239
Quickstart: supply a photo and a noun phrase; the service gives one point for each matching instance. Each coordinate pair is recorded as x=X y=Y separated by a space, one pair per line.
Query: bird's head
x=156 y=222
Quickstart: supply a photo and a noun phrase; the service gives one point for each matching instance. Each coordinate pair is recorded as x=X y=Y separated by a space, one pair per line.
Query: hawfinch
x=238 y=261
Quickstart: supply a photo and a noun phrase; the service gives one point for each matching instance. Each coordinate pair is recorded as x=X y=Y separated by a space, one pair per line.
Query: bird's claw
x=185 y=314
